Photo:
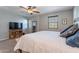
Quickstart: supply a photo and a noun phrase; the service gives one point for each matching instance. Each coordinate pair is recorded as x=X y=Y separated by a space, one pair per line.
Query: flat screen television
x=15 y=25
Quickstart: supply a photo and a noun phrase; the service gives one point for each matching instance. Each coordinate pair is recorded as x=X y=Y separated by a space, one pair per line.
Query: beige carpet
x=7 y=46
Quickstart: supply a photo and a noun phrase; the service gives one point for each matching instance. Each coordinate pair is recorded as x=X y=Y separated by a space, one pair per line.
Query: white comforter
x=44 y=41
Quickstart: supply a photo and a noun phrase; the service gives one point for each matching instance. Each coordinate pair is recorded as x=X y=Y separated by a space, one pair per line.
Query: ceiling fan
x=31 y=9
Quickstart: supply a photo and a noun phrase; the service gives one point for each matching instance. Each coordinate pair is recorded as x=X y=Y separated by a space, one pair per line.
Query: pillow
x=69 y=32
x=66 y=29
x=73 y=40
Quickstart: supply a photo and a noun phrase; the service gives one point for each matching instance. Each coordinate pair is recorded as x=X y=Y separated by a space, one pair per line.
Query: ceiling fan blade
x=36 y=11
x=23 y=7
x=33 y=7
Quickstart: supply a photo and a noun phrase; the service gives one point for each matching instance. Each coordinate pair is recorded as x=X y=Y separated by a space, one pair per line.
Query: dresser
x=15 y=33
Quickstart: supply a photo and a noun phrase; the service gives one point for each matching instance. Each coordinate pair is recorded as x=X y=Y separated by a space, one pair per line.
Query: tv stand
x=15 y=33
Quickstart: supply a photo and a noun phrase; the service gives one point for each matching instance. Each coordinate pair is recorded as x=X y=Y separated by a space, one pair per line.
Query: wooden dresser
x=15 y=33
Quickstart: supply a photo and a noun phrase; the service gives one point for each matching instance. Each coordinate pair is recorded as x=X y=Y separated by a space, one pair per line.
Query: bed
x=44 y=42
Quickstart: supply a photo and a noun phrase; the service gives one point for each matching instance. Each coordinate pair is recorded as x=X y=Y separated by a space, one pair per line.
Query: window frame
x=53 y=22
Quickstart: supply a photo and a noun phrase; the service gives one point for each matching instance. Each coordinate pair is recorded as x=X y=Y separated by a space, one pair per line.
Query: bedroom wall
x=43 y=20
x=5 y=18
x=62 y=15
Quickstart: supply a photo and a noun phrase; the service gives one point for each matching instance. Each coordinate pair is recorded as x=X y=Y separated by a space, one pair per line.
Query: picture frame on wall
x=64 y=21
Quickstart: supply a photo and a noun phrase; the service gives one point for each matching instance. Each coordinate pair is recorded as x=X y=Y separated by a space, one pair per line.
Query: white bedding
x=44 y=41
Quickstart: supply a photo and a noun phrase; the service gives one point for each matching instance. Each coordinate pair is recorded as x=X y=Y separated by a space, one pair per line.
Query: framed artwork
x=64 y=21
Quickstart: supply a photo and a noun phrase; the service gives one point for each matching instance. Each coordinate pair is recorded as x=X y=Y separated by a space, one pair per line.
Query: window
x=53 y=22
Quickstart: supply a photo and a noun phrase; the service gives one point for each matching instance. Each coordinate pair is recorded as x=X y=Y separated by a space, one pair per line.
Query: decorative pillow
x=73 y=40
x=66 y=29
x=69 y=32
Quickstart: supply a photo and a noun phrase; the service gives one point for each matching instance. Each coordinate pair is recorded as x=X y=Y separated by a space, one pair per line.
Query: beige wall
x=5 y=17
x=64 y=14
x=43 y=20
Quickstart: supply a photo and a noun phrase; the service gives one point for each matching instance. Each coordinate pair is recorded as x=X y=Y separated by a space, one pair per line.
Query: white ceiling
x=48 y=9
x=42 y=9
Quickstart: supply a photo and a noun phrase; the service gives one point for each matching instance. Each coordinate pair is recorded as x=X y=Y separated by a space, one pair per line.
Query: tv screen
x=15 y=25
